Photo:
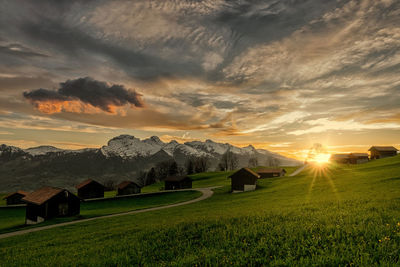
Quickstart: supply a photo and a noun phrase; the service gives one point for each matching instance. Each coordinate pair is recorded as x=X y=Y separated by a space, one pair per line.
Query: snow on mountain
x=127 y=146
x=42 y=150
x=9 y=149
x=209 y=146
x=154 y=140
x=170 y=147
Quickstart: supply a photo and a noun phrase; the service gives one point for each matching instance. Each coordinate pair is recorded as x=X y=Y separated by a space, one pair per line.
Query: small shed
x=244 y=180
x=15 y=198
x=177 y=182
x=268 y=173
x=357 y=158
x=379 y=152
x=340 y=158
x=90 y=189
x=49 y=202
x=128 y=188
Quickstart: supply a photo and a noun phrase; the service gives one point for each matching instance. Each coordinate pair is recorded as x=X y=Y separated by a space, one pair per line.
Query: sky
x=278 y=74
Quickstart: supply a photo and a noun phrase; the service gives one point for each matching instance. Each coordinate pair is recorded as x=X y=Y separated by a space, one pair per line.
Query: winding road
x=206 y=193
x=299 y=170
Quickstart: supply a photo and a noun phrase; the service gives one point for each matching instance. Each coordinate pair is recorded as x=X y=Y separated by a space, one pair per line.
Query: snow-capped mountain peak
x=42 y=150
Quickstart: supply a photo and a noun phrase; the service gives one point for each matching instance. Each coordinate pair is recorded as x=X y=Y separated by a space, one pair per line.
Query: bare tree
x=229 y=161
x=201 y=164
x=253 y=162
x=151 y=176
x=190 y=166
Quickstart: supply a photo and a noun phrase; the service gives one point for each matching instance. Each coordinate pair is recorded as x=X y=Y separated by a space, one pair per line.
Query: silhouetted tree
x=253 y=162
x=173 y=168
x=151 y=176
x=189 y=166
x=229 y=161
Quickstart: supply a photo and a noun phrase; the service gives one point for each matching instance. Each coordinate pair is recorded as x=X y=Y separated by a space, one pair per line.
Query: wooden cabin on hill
x=177 y=182
x=357 y=158
x=379 y=152
x=244 y=180
x=49 y=202
x=15 y=198
x=128 y=188
x=340 y=158
x=90 y=189
x=269 y=173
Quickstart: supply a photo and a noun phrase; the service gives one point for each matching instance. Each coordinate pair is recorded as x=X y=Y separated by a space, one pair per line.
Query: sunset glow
x=281 y=76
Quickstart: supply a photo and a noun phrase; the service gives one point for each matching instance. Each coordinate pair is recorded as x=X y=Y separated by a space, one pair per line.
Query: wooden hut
x=379 y=152
x=90 y=189
x=177 y=182
x=340 y=158
x=128 y=188
x=49 y=202
x=15 y=198
x=268 y=173
x=357 y=158
x=244 y=180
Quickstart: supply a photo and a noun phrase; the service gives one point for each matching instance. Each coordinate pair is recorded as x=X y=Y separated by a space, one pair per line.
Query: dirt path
x=206 y=193
x=299 y=170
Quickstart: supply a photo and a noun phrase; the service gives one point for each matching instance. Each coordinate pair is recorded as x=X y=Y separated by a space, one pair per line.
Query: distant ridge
x=123 y=158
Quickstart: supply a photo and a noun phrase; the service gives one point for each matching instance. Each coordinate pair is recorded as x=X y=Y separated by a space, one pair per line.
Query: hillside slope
x=338 y=215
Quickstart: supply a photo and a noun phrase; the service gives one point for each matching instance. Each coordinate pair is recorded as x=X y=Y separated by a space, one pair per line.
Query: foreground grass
x=340 y=215
x=12 y=219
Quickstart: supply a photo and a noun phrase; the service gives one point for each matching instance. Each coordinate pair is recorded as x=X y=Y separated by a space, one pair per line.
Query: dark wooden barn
x=128 y=188
x=379 y=152
x=340 y=158
x=357 y=158
x=90 y=189
x=15 y=198
x=49 y=202
x=177 y=182
x=244 y=180
x=268 y=173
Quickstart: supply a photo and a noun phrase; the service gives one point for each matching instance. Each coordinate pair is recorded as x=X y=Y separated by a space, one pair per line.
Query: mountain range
x=123 y=158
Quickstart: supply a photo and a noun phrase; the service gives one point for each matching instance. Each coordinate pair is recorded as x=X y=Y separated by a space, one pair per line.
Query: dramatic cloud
x=83 y=95
x=282 y=74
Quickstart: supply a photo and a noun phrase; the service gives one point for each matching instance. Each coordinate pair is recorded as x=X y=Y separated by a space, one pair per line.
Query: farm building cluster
x=375 y=152
x=50 y=202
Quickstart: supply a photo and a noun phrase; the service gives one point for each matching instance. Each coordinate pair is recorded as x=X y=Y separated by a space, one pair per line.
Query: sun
x=321 y=158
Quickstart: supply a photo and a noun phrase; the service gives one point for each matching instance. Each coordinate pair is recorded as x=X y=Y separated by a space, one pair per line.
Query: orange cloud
x=74 y=106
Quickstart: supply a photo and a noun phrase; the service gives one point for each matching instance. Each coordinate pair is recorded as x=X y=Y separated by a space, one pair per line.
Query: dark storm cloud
x=89 y=91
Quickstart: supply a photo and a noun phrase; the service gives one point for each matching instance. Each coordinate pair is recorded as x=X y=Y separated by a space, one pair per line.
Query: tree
x=201 y=164
x=189 y=166
x=173 y=168
x=253 y=162
x=109 y=185
x=151 y=176
x=229 y=161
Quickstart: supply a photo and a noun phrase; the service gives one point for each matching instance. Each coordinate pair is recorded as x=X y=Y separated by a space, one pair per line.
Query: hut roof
x=246 y=170
x=279 y=170
x=126 y=183
x=340 y=156
x=383 y=148
x=359 y=154
x=42 y=195
x=176 y=178
x=85 y=183
x=24 y=193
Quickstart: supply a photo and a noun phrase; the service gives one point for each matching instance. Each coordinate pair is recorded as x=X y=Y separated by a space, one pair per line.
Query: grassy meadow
x=12 y=219
x=327 y=215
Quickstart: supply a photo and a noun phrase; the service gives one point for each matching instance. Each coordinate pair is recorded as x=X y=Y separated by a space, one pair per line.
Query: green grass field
x=12 y=219
x=337 y=215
